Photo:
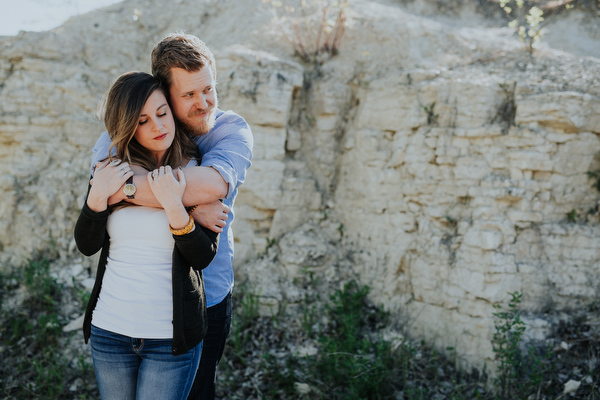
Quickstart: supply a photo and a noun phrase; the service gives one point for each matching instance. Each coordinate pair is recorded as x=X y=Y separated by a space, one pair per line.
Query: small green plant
x=595 y=175
x=42 y=287
x=270 y=243
x=314 y=27
x=465 y=200
x=528 y=19
x=309 y=316
x=246 y=314
x=505 y=115
x=81 y=293
x=451 y=220
x=519 y=374
x=340 y=229
x=353 y=365
x=325 y=216
x=432 y=117
x=348 y=356
x=572 y=216
x=509 y=332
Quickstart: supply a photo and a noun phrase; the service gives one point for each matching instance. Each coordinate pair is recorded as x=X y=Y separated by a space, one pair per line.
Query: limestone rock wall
x=461 y=210
x=433 y=160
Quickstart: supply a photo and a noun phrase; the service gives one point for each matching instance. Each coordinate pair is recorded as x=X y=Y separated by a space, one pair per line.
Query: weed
x=270 y=243
x=572 y=216
x=518 y=374
x=245 y=314
x=353 y=365
x=82 y=294
x=41 y=286
x=34 y=364
x=314 y=27
x=509 y=332
x=349 y=359
x=465 y=200
x=507 y=111
x=451 y=220
x=432 y=117
x=595 y=175
x=340 y=229
x=309 y=316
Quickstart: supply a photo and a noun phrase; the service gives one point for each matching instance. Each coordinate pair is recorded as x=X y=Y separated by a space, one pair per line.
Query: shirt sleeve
x=100 y=151
x=231 y=154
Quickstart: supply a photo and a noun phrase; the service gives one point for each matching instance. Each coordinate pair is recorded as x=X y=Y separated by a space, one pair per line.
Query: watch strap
x=129 y=181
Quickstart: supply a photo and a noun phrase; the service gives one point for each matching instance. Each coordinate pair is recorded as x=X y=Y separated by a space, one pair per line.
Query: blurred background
x=421 y=219
x=41 y=15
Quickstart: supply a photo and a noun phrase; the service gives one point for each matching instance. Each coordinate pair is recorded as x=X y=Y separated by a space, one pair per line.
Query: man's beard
x=195 y=129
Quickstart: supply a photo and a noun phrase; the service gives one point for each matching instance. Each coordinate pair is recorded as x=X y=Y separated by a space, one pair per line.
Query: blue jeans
x=219 y=325
x=129 y=368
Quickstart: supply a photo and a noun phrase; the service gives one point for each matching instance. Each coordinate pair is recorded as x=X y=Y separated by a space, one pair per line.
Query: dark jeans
x=219 y=324
x=132 y=368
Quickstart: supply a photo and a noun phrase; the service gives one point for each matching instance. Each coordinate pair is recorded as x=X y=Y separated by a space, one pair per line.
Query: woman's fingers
x=150 y=178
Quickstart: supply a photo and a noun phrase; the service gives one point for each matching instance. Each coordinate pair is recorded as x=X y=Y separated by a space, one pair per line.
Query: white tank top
x=136 y=299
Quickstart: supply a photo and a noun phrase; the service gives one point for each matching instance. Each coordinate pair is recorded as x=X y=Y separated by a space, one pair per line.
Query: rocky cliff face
x=433 y=159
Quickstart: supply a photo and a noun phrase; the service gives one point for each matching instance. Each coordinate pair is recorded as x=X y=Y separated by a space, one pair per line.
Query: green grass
x=351 y=360
x=330 y=348
x=34 y=363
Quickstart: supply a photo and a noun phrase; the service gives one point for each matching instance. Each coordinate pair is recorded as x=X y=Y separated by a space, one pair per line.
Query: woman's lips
x=161 y=137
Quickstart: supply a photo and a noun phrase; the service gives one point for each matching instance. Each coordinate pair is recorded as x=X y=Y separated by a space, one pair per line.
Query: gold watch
x=129 y=188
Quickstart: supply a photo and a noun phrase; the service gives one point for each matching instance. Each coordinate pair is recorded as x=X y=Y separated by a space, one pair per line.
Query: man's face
x=194 y=99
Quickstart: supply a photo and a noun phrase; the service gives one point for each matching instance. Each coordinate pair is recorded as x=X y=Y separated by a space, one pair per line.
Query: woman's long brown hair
x=123 y=107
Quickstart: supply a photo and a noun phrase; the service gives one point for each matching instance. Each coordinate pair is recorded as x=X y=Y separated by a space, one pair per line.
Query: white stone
x=487 y=240
x=569 y=112
x=571 y=386
x=74 y=325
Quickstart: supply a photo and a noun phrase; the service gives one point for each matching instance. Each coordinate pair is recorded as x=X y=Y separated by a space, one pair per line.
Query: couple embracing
x=159 y=208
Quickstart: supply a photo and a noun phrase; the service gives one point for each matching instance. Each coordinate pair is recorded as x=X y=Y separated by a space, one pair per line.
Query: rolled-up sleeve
x=231 y=150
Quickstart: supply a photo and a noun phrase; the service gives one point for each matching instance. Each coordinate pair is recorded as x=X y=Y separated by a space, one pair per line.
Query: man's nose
x=201 y=102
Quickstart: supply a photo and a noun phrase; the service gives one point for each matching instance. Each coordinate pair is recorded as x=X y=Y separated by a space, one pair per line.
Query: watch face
x=129 y=189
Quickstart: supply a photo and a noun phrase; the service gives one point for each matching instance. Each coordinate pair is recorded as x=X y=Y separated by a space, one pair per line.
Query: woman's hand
x=109 y=177
x=168 y=190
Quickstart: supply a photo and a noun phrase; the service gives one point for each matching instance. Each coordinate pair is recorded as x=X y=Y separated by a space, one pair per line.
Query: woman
x=146 y=317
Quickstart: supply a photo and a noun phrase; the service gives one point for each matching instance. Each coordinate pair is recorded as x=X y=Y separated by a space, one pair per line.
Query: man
x=187 y=69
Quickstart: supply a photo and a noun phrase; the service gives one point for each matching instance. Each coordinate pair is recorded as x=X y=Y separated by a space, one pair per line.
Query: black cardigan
x=192 y=253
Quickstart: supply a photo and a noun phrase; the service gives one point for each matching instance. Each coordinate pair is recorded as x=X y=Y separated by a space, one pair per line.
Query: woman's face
x=156 y=127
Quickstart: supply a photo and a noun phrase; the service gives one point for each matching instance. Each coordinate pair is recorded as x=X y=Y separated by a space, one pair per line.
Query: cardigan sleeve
x=198 y=248
x=90 y=230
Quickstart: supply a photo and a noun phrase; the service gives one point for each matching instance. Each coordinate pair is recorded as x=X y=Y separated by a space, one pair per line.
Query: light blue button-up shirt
x=228 y=149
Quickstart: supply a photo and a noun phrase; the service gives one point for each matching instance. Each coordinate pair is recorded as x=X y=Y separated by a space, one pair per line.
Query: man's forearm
x=204 y=185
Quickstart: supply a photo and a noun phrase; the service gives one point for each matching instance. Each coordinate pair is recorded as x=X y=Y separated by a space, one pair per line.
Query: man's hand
x=204 y=184
x=212 y=216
